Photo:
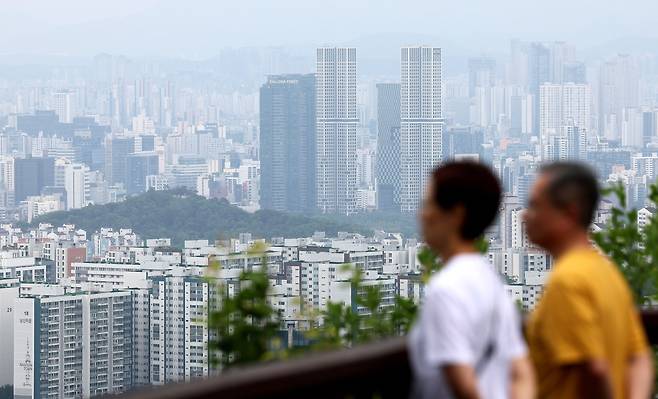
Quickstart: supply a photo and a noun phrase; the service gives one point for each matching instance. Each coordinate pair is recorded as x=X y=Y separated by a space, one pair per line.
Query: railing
x=377 y=370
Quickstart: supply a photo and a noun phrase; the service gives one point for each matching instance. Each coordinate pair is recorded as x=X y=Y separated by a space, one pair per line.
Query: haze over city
x=167 y=167
x=198 y=29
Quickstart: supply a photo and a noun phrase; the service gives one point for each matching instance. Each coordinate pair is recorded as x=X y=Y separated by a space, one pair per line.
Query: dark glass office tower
x=648 y=126
x=138 y=166
x=116 y=158
x=539 y=63
x=31 y=175
x=287 y=143
x=388 y=146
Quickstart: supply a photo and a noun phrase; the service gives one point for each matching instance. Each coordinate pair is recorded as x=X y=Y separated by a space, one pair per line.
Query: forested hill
x=181 y=215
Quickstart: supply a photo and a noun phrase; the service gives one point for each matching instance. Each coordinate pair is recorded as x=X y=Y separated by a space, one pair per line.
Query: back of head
x=473 y=186
x=573 y=184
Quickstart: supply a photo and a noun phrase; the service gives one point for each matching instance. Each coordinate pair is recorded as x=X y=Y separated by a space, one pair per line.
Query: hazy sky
x=199 y=28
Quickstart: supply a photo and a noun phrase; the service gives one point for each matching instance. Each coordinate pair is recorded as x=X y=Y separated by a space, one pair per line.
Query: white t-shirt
x=466 y=310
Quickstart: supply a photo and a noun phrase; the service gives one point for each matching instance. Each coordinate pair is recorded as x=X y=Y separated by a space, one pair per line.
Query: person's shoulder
x=582 y=263
x=583 y=271
x=440 y=281
x=468 y=273
x=446 y=279
x=578 y=262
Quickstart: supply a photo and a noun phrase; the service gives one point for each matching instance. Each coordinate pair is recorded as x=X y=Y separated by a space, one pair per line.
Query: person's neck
x=458 y=247
x=569 y=242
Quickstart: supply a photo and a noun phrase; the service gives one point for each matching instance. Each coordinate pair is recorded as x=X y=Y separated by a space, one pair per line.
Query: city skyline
x=155 y=157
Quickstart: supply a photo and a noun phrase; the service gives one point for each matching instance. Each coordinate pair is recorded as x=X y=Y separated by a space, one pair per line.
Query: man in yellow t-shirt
x=585 y=336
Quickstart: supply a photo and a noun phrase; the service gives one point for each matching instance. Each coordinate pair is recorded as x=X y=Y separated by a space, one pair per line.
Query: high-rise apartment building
x=421 y=123
x=539 y=67
x=649 y=126
x=179 y=333
x=562 y=105
x=546 y=64
x=65 y=105
x=73 y=346
x=562 y=55
x=388 y=146
x=336 y=126
x=576 y=142
x=76 y=183
x=521 y=115
x=619 y=88
x=7 y=186
x=287 y=143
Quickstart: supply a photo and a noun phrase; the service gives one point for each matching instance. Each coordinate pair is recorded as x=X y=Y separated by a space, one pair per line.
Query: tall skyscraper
x=619 y=84
x=562 y=105
x=539 y=70
x=649 y=126
x=76 y=185
x=287 y=143
x=521 y=114
x=388 y=146
x=576 y=142
x=562 y=53
x=179 y=350
x=421 y=123
x=31 y=175
x=65 y=105
x=116 y=158
x=481 y=73
x=336 y=126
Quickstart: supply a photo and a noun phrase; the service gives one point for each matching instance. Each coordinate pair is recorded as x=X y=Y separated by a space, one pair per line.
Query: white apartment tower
x=179 y=333
x=421 y=123
x=76 y=183
x=562 y=105
x=336 y=127
x=73 y=346
x=64 y=105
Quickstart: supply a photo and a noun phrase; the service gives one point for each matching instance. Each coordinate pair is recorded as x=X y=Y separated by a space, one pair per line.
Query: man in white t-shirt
x=467 y=340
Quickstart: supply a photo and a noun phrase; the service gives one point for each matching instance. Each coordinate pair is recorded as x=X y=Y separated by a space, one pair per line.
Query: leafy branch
x=632 y=248
x=244 y=324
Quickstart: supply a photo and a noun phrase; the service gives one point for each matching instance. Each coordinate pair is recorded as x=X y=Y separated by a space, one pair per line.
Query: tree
x=152 y=215
x=633 y=249
x=342 y=326
x=245 y=324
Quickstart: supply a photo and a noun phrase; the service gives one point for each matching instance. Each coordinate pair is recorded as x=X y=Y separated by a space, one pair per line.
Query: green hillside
x=181 y=215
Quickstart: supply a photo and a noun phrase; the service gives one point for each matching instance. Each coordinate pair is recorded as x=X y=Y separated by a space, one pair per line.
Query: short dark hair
x=573 y=183
x=473 y=186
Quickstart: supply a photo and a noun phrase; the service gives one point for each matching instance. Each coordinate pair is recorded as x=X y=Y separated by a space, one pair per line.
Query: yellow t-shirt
x=586 y=312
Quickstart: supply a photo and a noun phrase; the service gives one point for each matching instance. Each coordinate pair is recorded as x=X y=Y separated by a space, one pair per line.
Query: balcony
x=379 y=369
